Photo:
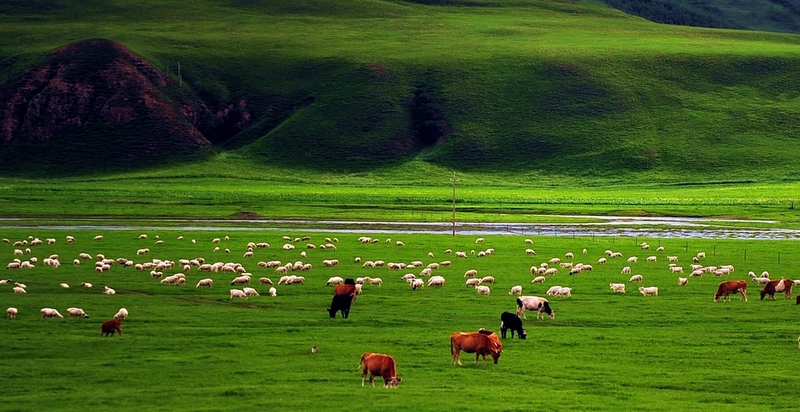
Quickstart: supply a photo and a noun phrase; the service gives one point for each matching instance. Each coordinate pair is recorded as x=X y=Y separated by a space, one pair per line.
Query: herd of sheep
x=25 y=259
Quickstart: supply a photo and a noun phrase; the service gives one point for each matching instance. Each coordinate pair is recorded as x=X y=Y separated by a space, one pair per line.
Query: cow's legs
x=363 y=378
x=744 y=296
x=372 y=379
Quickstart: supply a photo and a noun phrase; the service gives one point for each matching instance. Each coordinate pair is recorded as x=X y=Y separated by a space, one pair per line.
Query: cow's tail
x=361 y=363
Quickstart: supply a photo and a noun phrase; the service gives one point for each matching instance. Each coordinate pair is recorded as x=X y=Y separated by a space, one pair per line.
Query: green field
x=195 y=349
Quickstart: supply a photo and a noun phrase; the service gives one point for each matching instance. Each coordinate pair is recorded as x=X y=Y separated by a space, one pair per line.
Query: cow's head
x=523 y=334
x=495 y=354
x=332 y=312
x=552 y=314
x=394 y=381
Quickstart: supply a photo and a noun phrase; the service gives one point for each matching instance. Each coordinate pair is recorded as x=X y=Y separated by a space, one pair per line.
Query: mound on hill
x=92 y=105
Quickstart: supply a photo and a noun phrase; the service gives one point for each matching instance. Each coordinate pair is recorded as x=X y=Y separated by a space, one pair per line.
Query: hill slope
x=528 y=85
x=768 y=15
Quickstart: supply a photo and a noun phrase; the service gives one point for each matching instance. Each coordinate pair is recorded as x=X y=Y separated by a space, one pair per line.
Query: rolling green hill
x=508 y=87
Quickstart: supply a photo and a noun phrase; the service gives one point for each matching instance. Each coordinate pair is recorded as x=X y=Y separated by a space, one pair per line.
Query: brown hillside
x=95 y=94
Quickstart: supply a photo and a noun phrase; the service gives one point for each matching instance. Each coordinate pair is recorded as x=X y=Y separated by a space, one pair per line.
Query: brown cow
x=480 y=343
x=378 y=364
x=731 y=286
x=343 y=297
x=780 y=285
x=111 y=326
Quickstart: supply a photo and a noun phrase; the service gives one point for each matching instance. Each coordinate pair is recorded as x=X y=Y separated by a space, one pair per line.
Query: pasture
x=195 y=349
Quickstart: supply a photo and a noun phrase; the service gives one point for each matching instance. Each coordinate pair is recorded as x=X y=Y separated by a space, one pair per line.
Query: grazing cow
x=780 y=285
x=343 y=297
x=541 y=305
x=109 y=327
x=732 y=286
x=378 y=364
x=510 y=321
x=480 y=343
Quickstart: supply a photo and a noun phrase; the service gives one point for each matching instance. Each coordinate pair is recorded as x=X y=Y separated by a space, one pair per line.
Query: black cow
x=340 y=303
x=514 y=323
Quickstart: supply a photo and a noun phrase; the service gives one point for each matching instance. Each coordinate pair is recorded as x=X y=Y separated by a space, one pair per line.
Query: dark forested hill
x=768 y=15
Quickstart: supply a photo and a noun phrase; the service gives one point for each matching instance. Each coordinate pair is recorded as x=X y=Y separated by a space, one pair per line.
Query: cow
x=534 y=302
x=480 y=343
x=111 y=326
x=510 y=321
x=378 y=364
x=780 y=285
x=731 y=286
x=343 y=297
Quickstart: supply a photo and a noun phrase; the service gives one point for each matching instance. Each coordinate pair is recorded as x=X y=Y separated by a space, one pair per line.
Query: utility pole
x=454 y=180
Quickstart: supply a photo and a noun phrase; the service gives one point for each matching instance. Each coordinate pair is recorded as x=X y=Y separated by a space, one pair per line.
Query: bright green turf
x=190 y=349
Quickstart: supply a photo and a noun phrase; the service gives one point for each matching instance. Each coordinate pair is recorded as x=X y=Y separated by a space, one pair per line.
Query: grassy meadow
x=195 y=349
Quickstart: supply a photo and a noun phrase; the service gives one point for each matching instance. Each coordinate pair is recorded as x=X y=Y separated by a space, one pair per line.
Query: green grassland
x=194 y=349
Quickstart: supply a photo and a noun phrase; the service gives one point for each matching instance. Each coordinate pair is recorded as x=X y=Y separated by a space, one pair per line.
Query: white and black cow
x=510 y=321
x=541 y=305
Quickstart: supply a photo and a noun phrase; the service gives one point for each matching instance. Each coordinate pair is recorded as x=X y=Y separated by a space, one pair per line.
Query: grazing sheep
x=471 y=273
x=376 y=281
x=77 y=313
x=530 y=252
x=461 y=255
x=265 y=281
x=479 y=240
x=650 y=259
x=683 y=281
x=50 y=313
x=108 y=291
x=650 y=291
x=528 y=241
x=400 y=243
x=64 y=286
x=553 y=289
x=250 y=292
x=98 y=237
x=487 y=279
x=207 y=282
x=676 y=269
x=121 y=314
x=602 y=261
x=538 y=279
x=241 y=280
x=482 y=290
x=12 y=313
x=436 y=281
x=273 y=292
x=238 y=294
x=617 y=287
x=18 y=289
x=336 y=280
x=472 y=282
x=563 y=292
x=626 y=270
x=516 y=290
x=416 y=284
x=635 y=278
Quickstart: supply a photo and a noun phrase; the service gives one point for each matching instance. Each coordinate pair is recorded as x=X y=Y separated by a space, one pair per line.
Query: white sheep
x=417 y=284
x=108 y=291
x=238 y=294
x=50 y=313
x=482 y=290
x=376 y=281
x=77 y=313
x=487 y=279
x=553 y=289
x=472 y=282
x=250 y=292
x=683 y=281
x=336 y=280
x=538 y=279
x=12 y=312
x=207 y=282
x=121 y=314
x=18 y=289
x=635 y=278
x=273 y=292
x=516 y=290
x=471 y=273
x=617 y=287
x=563 y=292
x=649 y=291
x=86 y=285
